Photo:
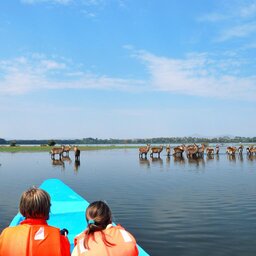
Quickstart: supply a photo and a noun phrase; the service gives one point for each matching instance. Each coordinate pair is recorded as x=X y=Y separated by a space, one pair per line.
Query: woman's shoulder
x=79 y=236
x=119 y=231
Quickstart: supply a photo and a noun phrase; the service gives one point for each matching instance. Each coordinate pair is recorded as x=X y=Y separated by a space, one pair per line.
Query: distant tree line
x=160 y=140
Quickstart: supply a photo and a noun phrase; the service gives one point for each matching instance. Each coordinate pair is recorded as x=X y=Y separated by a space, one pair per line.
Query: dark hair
x=35 y=203
x=100 y=214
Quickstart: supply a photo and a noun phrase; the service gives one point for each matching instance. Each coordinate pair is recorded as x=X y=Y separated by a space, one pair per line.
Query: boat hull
x=67 y=210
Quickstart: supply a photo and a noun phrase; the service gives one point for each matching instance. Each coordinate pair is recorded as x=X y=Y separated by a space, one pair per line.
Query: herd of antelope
x=192 y=151
x=64 y=149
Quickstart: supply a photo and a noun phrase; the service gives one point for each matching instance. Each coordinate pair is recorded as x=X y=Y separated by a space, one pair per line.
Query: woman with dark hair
x=101 y=237
x=33 y=237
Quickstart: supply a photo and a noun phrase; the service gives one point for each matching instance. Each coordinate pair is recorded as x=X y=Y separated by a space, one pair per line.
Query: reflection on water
x=66 y=159
x=156 y=161
x=185 y=211
x=240 y=157
x=231 y=158
x=196 y=161
x=179 y=159
x=144 y=162
x=234 y=158
x=58 y=163
x=76 y=165
x=209 y=157
x=168 y=160
x=251 y=157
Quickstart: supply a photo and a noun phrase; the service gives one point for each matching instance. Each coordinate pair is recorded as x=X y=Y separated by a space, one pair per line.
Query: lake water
x=172 y=206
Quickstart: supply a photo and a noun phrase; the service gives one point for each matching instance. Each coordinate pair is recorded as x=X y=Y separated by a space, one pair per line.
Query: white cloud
x=248 y=10
x=122 y=3
x=250 y=45
x=93 y=2
x=198 y=75
x=26 y=74
x=213 y=17
x=52 y=65
x=201 y=75
x=64 y=2
x=237 y=21
x=238 y=11
x=89 y=14
x=238 y=31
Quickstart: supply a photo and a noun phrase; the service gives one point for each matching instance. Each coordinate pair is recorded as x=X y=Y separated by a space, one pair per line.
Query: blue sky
x=127 y=68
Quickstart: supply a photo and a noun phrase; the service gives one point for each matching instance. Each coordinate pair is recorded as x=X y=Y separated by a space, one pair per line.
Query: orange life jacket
x=33 y=238
x=124 y=244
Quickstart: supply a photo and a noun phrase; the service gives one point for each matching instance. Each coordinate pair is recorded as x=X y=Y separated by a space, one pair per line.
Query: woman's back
x=119 y=243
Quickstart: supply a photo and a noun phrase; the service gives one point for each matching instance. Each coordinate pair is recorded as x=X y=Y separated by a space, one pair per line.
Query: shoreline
x=10 y=149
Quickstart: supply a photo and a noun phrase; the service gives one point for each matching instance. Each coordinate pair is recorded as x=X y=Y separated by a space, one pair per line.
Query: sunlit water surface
x=172 y=206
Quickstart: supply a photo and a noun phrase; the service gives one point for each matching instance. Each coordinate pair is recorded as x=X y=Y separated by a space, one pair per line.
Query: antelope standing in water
x=66 y=149
x=156 y=150
x=144 y=151
x=200 y=151
x=209 y=151
x=192 y=151
x=178 y=151
x=231 y=150
x=251 y=150
x=168 y=150
x=57 y=151
x=240 y=149
x=217 y=149
x=77 y=153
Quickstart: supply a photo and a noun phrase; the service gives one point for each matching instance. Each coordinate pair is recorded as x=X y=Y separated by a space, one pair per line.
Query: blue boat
x=67 y=210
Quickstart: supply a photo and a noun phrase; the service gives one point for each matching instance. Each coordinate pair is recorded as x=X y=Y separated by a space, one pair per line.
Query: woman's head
x=35 y=203
x=98 y=214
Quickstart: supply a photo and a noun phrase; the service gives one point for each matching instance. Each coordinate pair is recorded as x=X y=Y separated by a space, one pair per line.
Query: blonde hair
x=35 y=203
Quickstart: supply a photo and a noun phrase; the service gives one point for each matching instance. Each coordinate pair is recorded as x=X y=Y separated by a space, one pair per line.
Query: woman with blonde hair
x=101 y=237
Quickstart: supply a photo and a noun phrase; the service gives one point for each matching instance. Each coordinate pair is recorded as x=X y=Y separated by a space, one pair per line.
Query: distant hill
x=159 y=140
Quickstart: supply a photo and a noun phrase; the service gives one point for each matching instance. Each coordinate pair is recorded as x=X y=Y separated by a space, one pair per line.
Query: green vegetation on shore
x=159 y=140
x=98 y=144
x=39 y=148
